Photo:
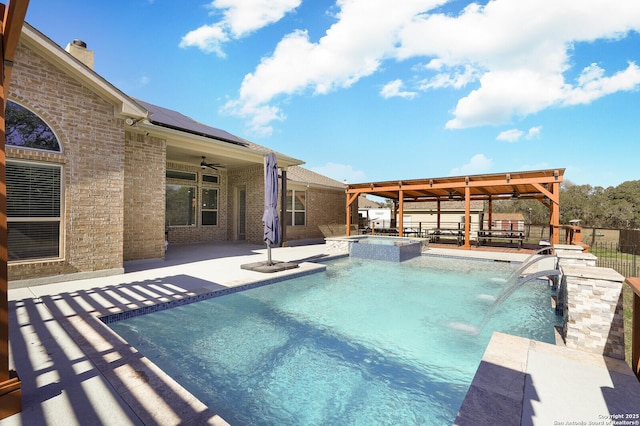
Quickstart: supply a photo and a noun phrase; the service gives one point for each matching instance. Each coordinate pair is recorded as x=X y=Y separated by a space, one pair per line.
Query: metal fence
x=621 y=258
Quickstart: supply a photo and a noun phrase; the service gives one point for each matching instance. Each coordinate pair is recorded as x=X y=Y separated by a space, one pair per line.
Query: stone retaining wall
x=592 y=309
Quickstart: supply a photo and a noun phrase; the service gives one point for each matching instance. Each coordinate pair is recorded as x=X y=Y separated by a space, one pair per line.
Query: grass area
x=607 y=252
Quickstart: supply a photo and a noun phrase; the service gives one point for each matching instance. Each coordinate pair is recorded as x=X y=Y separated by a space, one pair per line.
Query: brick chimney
x=78 y=49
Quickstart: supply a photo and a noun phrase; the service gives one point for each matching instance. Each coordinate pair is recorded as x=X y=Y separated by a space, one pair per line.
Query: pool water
x=362 y=343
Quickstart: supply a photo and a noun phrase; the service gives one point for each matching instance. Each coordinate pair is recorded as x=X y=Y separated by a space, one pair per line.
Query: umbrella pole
x=269 y=262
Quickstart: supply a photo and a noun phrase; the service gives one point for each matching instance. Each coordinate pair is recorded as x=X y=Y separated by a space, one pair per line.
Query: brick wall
x=325 y=214
x=93 y=157
x=197 y=233
x=144 y=195
x=252 y=180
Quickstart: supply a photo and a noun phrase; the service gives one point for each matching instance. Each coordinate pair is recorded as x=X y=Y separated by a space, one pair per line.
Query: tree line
x=613 y=207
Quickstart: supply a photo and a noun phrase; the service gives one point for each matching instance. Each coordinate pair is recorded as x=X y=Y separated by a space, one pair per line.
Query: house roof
x=301 y=175
x=365 y=203
x=38 y=42
x=187 y=139
x=174 y=120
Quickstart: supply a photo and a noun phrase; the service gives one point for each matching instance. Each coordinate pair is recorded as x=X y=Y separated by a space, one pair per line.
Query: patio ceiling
x=523 y=185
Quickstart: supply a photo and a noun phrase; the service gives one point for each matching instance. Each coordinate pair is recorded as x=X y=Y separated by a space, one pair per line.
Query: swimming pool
x=363 y=343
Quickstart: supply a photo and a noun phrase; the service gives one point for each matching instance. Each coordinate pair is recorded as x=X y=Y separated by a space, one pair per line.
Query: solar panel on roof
x=174 y=120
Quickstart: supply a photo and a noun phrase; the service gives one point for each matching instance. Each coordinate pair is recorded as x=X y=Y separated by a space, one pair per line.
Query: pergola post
x=490 y=214
x=400 y=212
x=350 y=199
x=10 y=385
x=467 y=218
x=554 y=216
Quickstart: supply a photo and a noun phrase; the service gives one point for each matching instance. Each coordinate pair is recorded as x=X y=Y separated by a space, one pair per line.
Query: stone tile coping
x=567 y=247
x=525 y=382
x=592 y=272
x=576 y=255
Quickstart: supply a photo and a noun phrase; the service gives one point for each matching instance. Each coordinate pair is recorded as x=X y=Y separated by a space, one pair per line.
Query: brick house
x=96 y=178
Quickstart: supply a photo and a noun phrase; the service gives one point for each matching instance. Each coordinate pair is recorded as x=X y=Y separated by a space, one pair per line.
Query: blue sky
x=369 y=90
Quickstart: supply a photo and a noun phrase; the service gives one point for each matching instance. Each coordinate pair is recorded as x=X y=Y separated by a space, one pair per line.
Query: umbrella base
x=275 y=266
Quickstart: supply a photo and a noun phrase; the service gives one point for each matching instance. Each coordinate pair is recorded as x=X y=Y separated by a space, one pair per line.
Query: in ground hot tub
x=392 y=249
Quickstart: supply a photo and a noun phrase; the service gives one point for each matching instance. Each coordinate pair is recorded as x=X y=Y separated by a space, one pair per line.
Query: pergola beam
x=540 y=185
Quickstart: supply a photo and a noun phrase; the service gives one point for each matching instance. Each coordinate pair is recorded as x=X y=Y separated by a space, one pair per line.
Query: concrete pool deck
x=75 y=371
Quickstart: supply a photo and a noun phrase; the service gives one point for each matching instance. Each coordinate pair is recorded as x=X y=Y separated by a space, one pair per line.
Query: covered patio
x=541 y=185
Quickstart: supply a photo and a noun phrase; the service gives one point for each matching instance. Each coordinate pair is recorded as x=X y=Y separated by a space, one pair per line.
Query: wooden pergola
x=541 y=185
x=12 y=16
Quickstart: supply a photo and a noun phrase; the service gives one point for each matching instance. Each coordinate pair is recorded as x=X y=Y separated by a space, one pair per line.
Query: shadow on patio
x=75 y=370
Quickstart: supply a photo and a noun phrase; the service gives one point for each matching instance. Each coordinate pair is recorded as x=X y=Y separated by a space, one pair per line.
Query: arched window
x=25 y=129
x=34 y=213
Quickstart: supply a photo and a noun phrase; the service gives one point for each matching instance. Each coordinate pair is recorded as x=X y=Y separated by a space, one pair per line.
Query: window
x=25 y=129
x=209 y=206
x=34 y=190
x=33 y=210
x=209 y=179
x=180 y=199
x=296 y=208
x=175 y=174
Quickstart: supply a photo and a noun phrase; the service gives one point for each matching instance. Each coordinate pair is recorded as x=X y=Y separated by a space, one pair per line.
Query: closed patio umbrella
x=270 y=216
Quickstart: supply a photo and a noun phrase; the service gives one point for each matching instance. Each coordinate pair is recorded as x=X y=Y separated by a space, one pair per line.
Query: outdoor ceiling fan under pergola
x=213 y=166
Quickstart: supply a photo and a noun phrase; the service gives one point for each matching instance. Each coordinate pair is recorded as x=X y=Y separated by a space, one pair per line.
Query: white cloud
x=593 y=84
x=392 y=90
x=259 y=116
x=516 y=64
x=455 y=78
x=522 y=60
x=534 y=132
x=341 y=172
x=240 y=18
x=477 y=164
x=354 y=47
x=208 y=38
x=512 y=135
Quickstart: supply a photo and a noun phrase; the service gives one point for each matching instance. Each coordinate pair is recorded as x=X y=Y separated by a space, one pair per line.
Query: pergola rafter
x=541 y=185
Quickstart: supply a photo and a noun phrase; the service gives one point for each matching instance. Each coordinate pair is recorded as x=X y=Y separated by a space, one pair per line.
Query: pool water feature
x=391 y=249
x=362 y=343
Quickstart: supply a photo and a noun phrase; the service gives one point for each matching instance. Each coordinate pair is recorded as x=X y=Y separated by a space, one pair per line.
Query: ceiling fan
x=204 y=164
